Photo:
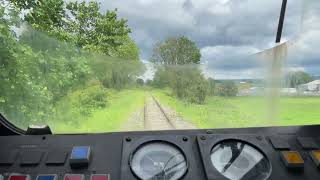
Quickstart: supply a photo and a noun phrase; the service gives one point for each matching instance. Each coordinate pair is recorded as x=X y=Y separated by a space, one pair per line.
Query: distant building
x=313 y=86
x=289 y=91
x=253 y=91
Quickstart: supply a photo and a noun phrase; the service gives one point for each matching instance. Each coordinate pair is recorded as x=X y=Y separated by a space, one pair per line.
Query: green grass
x=120 y=106
x=223 y=112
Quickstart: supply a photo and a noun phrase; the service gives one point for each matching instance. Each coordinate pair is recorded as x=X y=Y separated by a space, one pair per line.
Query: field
x=121 y=105
x=223 y=112
x=216 y=112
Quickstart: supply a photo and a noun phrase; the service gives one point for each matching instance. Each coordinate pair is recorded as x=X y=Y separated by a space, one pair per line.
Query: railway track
x=155 y=117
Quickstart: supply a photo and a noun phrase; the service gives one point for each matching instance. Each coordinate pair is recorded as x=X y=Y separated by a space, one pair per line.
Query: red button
x=100 y=177
x=73 y=177
x=19 y=177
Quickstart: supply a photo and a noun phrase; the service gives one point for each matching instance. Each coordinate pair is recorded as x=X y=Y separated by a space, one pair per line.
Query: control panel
x=248 y=154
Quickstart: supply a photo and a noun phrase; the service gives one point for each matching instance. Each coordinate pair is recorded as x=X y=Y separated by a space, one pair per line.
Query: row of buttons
x=55 y=177
x=293 y=159
x=307 y=143
x=80 y=157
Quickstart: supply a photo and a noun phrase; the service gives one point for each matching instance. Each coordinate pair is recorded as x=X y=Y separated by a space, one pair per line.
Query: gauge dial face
x=158 y=160
x=237 y=160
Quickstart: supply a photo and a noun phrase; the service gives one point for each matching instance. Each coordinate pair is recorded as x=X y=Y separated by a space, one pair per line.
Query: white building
x=313 y=86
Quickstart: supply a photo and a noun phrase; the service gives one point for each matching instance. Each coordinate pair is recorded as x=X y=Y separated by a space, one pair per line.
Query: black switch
x=7 y=158
x=57 y=157
x=307 y=143
x=279 y=143
x=30 y=157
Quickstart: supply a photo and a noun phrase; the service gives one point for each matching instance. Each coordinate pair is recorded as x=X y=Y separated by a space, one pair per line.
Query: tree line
x=57 y=48
x=61 y=49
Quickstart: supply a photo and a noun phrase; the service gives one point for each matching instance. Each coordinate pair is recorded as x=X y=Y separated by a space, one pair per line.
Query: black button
x=279 y=143
x=57 y=157
x=307 y=143
x=7 y=158
x=30 y=157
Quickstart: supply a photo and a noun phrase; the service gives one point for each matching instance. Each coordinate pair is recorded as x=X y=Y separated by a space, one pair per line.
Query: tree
x=226 y=88
x=176 y=51
x=23 y=95
x=189 y=84
x=294 y=79
x=83 y=24
x=211 y=86
x=94 y=30
x=140 y=82
x=45 y=15
x=178 y=59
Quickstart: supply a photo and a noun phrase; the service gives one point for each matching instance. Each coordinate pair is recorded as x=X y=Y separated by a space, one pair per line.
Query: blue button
x=80 y=152
x=47 y=177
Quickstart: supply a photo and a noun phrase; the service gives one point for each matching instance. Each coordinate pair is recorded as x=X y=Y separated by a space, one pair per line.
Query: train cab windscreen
x=111 y=66
x=161 y=66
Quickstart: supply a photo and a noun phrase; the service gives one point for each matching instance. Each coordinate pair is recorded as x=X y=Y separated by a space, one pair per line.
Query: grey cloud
x=226 y=31
x=207 y=22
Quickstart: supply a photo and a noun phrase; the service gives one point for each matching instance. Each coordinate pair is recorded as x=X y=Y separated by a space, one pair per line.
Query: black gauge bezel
x=151 y=142
x=135 y=143
x=207 y=142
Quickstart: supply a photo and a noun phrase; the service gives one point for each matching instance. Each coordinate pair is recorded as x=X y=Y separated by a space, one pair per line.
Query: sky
x=227 y=32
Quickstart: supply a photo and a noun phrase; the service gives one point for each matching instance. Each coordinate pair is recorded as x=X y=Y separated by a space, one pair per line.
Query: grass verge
x=120 y=105
x=233 y=112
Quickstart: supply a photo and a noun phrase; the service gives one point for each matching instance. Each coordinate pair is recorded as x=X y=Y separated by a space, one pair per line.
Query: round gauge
x=237 y=160
x=158 y=160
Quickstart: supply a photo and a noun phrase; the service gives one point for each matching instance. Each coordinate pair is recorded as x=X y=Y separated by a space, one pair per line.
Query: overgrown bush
x=140 y=82
x=226 y=88
x=81 y=103
x=211 y=86
x=116 y=73
x=91 y=98
x=187 y=82
x=162 y=77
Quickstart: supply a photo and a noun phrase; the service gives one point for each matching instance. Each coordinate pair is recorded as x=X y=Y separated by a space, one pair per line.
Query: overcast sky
x=226 y=31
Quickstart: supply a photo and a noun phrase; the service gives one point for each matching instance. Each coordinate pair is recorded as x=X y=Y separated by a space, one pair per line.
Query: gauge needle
x=150 y=158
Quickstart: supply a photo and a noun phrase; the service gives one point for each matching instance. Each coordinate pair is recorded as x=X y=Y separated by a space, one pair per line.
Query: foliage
x=176 y=59
x=140 y=82
x=149 y=82
x=176 y=51
x=226 y=88
x=127 y=51
x=187 y=82
x=93 y=30
x=89 y=99
x=120 y=106
x=115 y=73
x=23 y=93
x=294 y=79
x=211 y=86
x=81 y=23
x=162 y=77
x=37 y=71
